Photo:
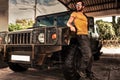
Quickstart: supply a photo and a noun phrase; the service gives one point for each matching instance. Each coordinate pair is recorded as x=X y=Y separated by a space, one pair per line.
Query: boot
x=83 y=76
x=92 y=76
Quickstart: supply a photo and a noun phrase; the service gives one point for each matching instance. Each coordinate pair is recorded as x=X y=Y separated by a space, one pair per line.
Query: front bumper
x=30 y=54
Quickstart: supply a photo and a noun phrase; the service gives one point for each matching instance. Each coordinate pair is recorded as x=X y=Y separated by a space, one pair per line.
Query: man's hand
x=73 y=29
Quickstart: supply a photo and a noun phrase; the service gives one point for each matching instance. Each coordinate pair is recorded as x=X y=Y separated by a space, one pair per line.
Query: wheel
x=70 y=67
x=2 y=63
x=17 y=67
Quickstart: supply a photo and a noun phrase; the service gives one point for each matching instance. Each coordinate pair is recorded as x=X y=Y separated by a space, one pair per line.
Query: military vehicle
x=45 y=45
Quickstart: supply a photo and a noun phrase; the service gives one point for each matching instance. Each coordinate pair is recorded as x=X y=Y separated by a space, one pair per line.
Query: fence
x=113 y=42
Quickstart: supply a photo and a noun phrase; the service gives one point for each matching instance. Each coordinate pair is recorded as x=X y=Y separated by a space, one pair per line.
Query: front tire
x=70 y=67
x=2 y=63
x=17 y=67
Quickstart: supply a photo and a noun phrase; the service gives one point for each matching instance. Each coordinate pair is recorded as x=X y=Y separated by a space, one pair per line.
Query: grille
x=20 y=38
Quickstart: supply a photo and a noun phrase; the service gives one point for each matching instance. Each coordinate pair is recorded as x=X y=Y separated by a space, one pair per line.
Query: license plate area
x=20 y=56
x=25 y=58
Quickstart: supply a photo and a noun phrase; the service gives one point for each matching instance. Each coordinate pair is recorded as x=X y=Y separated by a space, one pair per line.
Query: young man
x=81 y=29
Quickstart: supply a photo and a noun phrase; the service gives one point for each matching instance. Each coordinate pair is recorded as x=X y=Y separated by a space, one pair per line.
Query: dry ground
x=107 y=68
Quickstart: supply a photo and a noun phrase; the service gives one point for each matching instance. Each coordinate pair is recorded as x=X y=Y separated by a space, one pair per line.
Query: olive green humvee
x=44 y=45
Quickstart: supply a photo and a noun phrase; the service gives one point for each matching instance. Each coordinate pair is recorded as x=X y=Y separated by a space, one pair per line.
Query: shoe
x=91 y=76
x=83 y=76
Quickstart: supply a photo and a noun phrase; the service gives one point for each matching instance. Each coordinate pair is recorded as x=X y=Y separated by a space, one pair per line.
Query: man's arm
x=69 y=24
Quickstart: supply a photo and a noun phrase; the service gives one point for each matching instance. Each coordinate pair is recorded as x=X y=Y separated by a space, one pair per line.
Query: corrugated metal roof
x=93 y=5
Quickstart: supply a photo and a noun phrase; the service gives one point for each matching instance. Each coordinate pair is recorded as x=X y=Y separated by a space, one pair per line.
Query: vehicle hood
x=21 y=31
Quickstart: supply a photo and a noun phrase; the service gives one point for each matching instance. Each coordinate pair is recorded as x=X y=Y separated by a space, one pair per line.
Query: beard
x=80 y=9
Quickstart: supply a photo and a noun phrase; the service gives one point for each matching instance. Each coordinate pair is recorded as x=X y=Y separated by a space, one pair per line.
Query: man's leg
x=90 y=73
x=84 y=47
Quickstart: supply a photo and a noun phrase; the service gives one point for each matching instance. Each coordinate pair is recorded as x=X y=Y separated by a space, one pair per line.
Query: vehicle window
x=58 y=20
x=46 y=21
x=62 y=20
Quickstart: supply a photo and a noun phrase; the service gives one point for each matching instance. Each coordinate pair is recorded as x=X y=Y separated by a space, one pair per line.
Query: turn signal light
x=54 y=36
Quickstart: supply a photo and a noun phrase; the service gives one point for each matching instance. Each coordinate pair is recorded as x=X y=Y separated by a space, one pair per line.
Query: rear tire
x=17 y=67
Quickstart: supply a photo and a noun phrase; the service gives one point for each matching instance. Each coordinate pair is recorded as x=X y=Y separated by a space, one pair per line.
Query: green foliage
x=21 y=24
x=14 y=27
x=106 y=30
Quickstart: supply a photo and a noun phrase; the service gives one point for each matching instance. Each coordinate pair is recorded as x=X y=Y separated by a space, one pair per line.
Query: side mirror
x=90 y=21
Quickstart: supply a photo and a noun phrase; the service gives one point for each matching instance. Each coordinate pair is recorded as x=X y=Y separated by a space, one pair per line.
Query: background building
x=29 y=9
x=10 y=10
x=3 y=15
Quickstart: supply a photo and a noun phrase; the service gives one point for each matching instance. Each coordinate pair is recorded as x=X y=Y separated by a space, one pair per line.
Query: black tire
x=17 y=67
x=2 y=63
x=70 y=67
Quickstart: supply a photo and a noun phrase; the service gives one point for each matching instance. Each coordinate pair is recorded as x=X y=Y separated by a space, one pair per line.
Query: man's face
x=79 y=6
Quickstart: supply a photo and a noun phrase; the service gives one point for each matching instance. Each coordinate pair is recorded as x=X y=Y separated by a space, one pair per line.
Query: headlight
x=41 y=37
x=2 y=37
x=7 y=39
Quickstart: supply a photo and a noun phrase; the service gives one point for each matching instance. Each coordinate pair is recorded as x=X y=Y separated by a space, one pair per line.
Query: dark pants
x=85 y=51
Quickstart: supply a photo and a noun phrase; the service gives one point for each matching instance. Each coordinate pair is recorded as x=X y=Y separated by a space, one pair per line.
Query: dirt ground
x=107 y=68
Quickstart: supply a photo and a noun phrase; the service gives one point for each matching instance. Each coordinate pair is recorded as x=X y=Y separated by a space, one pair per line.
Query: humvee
x=45 y=45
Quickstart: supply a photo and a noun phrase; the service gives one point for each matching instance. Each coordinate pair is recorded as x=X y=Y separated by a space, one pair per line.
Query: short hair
x=81 y=2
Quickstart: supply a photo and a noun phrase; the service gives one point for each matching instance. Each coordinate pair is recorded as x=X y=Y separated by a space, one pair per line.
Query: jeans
x=85 y=50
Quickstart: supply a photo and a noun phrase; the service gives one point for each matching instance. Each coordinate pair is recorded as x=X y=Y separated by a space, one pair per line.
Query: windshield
x=62 y=20
x=52 y=20
x=46 y=21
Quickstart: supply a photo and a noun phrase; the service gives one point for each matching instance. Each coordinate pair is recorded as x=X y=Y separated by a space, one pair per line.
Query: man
x=81 y=29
